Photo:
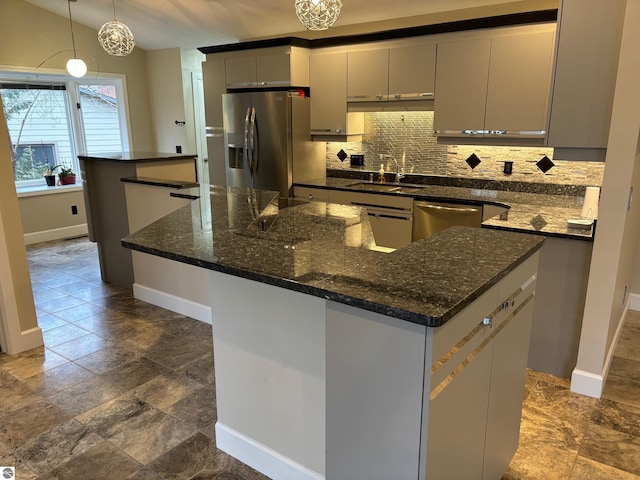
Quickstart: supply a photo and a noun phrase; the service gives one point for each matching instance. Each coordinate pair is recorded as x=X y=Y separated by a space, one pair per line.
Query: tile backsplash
x=409 y=136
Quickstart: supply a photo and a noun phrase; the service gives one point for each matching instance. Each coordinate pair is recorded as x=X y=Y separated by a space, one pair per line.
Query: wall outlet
x=178 y=148
x=74 y=209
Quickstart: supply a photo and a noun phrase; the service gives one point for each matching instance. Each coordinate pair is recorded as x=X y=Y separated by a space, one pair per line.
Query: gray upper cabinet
x=277 y=67
x=368 y=75
x=586 y=66
x=328 y=86
x=412 y=72
x=392 y=74
x=495 y=87
x=519 y=85
x=462 y=73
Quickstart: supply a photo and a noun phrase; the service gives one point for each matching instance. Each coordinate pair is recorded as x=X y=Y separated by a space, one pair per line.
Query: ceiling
x=158 y=24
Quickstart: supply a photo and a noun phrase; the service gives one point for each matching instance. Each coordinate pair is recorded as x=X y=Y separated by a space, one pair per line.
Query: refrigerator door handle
x=246 y=138
x=252 y=131
x=255 y=142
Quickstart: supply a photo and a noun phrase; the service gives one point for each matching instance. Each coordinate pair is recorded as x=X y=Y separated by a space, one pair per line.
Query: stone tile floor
x=125 y=390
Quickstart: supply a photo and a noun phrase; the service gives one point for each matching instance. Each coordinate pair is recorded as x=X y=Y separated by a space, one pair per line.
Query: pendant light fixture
x=115 y=37
x=75 y=66
x=318 y=14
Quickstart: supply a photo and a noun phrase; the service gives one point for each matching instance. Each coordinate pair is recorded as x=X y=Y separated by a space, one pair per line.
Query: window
x=32 y=159
x=52 y=119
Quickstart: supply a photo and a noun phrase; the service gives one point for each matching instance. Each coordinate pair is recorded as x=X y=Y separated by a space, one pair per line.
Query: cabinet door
x=367 y=75
x=504 y=412
x=412 y=72
x=585 y=76
x=462 y=71
x=273 y=70
x=519 y=85
x=240 y=71
x=328 y=84
x=457 y=423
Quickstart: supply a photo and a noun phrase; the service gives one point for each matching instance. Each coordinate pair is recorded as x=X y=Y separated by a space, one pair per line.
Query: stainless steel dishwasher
x=431 y=217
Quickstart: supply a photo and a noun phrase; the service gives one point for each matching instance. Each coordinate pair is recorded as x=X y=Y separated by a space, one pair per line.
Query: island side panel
x=107 y=216
x=557 y=316
x=269 y=349
x=375 y=373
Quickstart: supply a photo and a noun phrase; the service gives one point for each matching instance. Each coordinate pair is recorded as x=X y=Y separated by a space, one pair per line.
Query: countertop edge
x=426 y=320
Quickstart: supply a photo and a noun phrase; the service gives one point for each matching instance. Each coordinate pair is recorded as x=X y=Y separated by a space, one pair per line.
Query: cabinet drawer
x=311 y=194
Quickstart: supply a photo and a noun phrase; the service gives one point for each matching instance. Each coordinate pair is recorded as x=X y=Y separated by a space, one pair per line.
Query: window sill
x=44 y=190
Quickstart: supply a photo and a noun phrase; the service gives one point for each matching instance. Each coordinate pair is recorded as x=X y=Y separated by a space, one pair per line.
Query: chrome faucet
x=399 y=169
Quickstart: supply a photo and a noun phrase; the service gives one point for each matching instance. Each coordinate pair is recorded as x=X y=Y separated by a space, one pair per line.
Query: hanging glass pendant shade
x=115 y=37
x=318 y=14
x=75 y=66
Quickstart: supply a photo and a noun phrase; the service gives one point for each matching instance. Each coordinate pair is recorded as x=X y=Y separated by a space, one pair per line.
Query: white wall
x=618 y=230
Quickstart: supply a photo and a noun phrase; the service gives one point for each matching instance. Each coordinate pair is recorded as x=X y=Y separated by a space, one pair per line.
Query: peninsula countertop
x=134 y=156
x=328 y=251
x=537 y=211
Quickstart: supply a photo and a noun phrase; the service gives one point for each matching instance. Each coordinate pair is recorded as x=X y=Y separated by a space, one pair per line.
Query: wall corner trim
x=26 y=340
x=587 y=383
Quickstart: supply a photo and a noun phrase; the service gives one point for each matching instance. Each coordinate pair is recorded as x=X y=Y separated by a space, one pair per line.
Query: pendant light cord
x=73 y=40
x=114 y=9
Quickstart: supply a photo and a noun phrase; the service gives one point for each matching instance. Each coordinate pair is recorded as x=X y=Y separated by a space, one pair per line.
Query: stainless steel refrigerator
x=267 y=141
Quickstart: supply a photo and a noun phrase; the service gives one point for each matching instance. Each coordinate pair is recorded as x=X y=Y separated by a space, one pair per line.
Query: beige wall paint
x=16 y=298
x=35 y=34
x=171 y=93
x=48 y=212
x=616 y=242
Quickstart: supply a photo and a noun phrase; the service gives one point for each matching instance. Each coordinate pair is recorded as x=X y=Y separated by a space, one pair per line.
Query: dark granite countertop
x=134 y=156
x=160 y=182
x=328 y=251
x=529 y=212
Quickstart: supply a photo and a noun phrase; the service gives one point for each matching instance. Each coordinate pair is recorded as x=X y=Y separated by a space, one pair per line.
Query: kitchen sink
x=385 y=187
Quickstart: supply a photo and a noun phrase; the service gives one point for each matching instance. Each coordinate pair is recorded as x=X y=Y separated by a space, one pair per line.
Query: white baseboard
x=56 y=234
x=173 y=303
x=592 y=384
x=634 y=302
x=25 y=340
x=587 y=383
x=261 y=457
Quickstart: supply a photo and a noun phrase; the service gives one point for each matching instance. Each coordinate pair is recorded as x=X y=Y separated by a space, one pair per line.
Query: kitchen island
x=336 y=360
x=105 y=202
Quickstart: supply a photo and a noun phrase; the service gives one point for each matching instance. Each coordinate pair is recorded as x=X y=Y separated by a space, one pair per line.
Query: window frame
x=72 y=102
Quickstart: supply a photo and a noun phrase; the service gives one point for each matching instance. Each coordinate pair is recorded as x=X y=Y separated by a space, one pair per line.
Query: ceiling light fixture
x=75 y=66
x=318 y=14
x=115 y=37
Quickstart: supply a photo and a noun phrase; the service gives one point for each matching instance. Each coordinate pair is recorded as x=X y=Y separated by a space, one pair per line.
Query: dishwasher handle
x=447 y=209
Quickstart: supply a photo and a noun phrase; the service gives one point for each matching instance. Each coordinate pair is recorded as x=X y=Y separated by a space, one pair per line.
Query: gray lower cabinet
x=477 y=380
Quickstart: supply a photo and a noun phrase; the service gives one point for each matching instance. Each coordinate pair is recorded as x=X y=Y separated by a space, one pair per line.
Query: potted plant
x=49 y=177
x=66 y=175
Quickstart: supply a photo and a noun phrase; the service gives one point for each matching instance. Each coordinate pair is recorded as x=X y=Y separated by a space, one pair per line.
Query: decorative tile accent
x=342 y=155
x=473 y=161
x=545 y=164
x=538 y=222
